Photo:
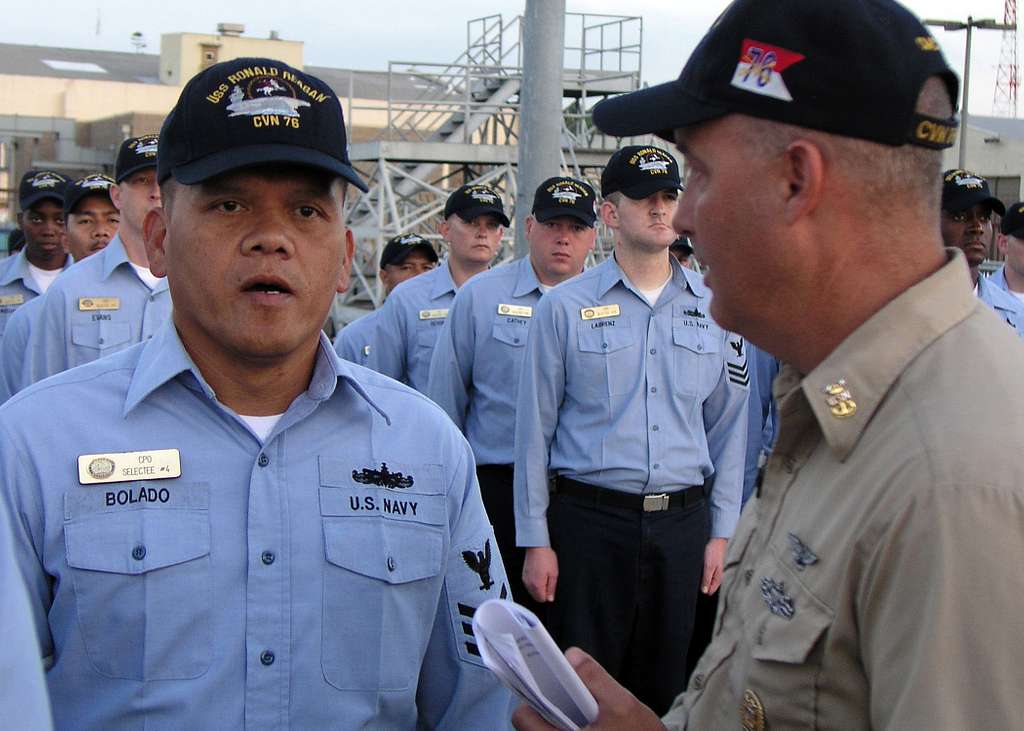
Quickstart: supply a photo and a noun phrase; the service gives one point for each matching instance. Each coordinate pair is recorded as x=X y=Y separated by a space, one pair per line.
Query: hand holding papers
x=516 y=647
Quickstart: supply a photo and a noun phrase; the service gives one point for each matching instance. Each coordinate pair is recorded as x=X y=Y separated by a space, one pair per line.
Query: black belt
x=613 y=498
x=502 y=470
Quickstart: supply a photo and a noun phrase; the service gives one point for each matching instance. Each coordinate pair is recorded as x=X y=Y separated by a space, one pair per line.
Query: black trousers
x=496 y=490
x=627 y=589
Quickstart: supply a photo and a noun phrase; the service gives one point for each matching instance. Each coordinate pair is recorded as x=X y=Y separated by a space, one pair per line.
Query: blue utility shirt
x=98 y=307
x=297 y=583
x=409 y=323
x=1008 y=307
x=629 y=397
x=24 y=704
x=17 y=285
x=15 y=356
x=474 y=372
x=355 y=341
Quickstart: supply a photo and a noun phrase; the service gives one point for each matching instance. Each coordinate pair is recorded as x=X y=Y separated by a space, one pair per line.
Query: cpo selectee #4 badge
x=100 y=469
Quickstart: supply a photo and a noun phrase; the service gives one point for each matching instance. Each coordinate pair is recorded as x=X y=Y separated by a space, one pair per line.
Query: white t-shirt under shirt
x=44 y=277
x=652 y=295
x=146 y=276
x=1018 y=295
x=261 y=425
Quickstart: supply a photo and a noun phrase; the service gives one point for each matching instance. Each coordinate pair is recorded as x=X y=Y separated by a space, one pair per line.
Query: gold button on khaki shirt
x=878 y=580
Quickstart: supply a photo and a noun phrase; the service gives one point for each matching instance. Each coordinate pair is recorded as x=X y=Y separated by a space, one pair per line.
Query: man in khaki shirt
x=875 y=579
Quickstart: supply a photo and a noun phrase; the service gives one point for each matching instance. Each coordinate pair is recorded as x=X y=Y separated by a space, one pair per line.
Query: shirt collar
x=113 y=256
x=526 y=278
x=682 y=279
x=18 y=269
x=164 y=357
x=443 y=283
x=863 y=368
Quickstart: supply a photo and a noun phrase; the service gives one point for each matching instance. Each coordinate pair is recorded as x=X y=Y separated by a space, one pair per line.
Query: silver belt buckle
x=656 y=503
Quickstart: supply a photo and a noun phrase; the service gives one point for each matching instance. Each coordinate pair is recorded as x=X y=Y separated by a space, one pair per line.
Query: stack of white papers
x=516 y=647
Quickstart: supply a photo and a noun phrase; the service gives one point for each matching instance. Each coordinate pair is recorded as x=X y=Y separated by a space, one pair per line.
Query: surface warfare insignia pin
x=480 y=563
x=774 y=594
x=383 y=478
x=695 y=313
x=802 y=555
x=840 y=400
x=760 y=69
x=752 y=716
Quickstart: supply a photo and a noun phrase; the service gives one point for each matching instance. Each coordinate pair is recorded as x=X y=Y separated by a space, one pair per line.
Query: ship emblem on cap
x=564 y=195
x=653 y=162
x=95 y=181
x=483 y=195
x=146 y=145
x=265 y=95
x=840 y=400
x=45 y=180
x=964 y=179
x=410 y=239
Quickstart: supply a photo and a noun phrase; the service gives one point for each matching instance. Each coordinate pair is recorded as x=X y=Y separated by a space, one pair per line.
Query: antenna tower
x=1004 y=103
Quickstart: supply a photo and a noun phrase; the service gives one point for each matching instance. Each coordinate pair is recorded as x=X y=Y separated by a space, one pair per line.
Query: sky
x=366 y=35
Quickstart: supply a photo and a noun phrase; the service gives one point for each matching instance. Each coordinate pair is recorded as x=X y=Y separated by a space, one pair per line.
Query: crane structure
x=1004 y=103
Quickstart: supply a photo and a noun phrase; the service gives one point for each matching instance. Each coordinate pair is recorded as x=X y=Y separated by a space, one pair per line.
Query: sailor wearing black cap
x=1010 y=276
x=405 y=256
x=90 y=222
x=874 y=579
x=112 y=300
x=967 y=208
x=412 y=317
x=236 y=528
x=474 y=372
x=31 y=271
x=635 y=401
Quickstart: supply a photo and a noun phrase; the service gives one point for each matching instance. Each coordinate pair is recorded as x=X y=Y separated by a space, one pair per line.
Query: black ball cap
x=563 y=196
x=847 y=67
x=135 y=154
x=397 y=249
x=40 y=185
x=638 y=171
x=470 y=201
x=253 y=111
x=95 y=184
x=962 y=189
x=1013 y=222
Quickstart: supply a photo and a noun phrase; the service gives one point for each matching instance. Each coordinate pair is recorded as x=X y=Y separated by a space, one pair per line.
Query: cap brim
x=30 y=200
x=546 y=214
x=74 y=200
x=134 y=169
x=971 y=198
x=659 y=110
x=243 y=157
x=641 y=190
x=404 y=252
x=468 y=214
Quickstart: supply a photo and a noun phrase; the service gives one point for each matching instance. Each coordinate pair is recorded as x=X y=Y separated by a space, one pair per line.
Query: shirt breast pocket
x=608 y=366
x=787 y=642
x=142 y=584
x=381 y=588
x=511 y=334
x=698 y=361
x=104 y=336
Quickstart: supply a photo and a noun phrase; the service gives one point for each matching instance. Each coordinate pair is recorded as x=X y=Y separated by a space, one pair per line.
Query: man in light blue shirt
x=237 y=529
x=1010 y=240
x=412 y=317
x=90 y=222
x=474 y=372
x=111 y=300
x=31 y=271
x=404 y=257
x=966 y=223
x=635 y=400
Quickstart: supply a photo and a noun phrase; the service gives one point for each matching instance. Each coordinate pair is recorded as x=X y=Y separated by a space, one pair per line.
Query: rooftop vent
x=231 y=29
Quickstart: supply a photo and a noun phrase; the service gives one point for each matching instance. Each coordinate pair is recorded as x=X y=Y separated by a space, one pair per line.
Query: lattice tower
x=1004 y=103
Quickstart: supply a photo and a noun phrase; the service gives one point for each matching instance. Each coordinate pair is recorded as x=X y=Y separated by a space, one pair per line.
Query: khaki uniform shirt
x=878 y=580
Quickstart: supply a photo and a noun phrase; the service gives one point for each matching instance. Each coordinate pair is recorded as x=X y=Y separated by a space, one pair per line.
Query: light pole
x=952 y=25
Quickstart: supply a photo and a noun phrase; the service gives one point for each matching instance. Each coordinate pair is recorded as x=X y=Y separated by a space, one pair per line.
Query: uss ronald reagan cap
x=135 y=154
x=637 y=171
x=39 y=185
x=962 y=189
x=850 y=67
x=470 y=201
x=94 y=184
x=253 y=111
x=564 y=196
x=1013 y=222
x=398 y=248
